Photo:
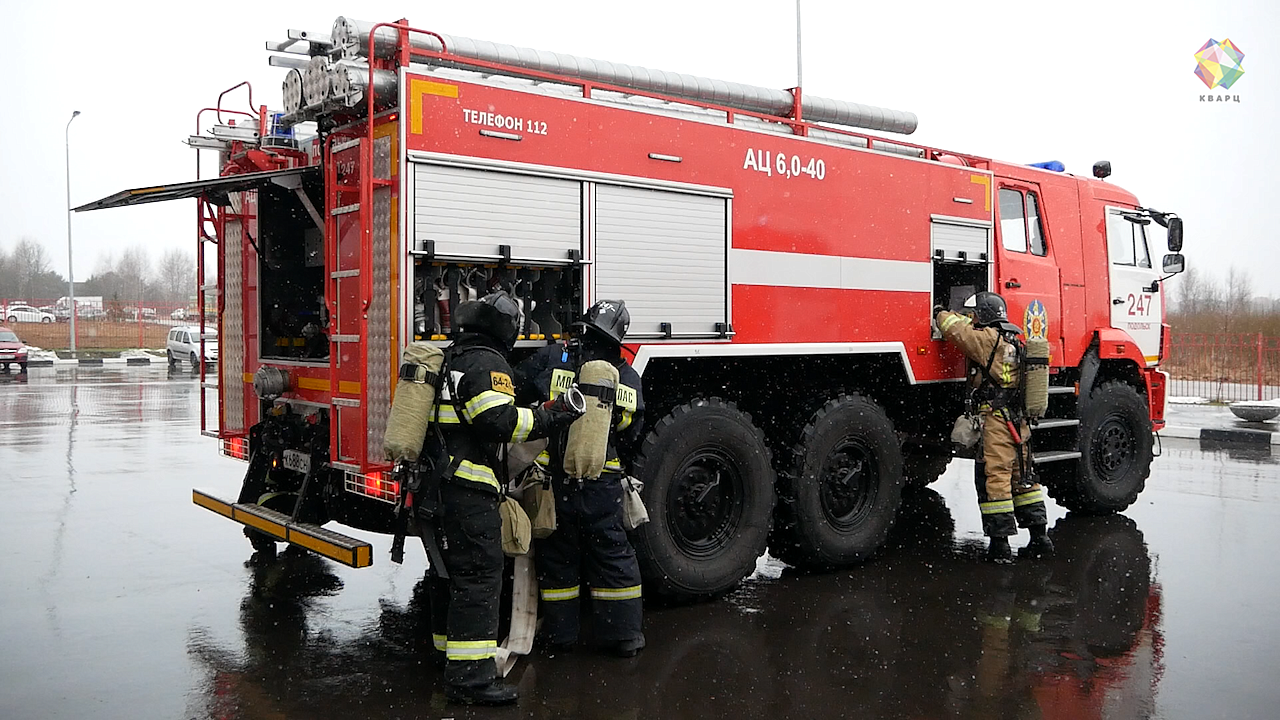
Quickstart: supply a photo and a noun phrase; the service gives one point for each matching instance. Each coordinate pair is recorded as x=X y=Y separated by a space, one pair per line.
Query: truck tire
x=1115 y=447
x=843 y=486
x=708 y=486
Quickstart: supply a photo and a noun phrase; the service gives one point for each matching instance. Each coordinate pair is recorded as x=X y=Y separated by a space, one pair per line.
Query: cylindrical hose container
x=584 y=455
x=414 y=402
x=1036 y=393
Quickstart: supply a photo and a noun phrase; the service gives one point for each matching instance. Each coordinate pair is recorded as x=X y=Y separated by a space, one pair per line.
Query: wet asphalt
x=121 y=599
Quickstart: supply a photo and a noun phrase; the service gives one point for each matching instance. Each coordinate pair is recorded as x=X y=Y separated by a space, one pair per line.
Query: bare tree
x=176 y=275
x=29 y=260
x=1237 y=299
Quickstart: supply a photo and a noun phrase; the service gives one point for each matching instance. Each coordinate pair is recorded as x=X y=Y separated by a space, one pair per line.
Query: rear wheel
x=13 y=318
x=709 y=490
x=843 y=488
x=1115 y=447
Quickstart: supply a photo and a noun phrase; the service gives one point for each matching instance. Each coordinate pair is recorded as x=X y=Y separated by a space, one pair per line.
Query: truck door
x=1135 y=296
x=1026 y=269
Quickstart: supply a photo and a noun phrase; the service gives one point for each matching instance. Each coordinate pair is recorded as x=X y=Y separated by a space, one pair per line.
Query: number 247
x=1139 y=304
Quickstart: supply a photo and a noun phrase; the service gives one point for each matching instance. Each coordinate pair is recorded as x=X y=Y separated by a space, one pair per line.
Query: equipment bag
x=516 y=532
x=967 y=431
x=414 y=402
x=634 y=513
x=539 y=502
x=588 y=444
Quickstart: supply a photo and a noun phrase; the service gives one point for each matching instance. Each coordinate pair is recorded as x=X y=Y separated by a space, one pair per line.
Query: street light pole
x=71 y=278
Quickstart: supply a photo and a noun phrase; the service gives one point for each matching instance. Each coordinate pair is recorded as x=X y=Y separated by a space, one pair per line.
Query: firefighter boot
x=629 y=648
x=998 y=551
x=1040 y=545
x=494 y=693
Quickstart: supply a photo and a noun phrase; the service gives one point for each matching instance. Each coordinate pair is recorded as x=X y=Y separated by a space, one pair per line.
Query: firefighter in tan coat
x=1008 y=494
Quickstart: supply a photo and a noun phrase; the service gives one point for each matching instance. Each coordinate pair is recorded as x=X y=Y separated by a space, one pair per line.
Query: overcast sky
x=1024 y=82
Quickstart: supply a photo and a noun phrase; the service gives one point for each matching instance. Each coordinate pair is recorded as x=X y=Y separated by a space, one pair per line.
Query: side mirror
x=1174 y=263
x=1175 y=236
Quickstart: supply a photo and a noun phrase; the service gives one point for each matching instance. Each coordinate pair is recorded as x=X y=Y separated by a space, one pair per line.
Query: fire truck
x=779 y=261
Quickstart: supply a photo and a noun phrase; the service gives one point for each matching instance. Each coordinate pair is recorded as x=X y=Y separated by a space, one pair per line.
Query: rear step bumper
x=335 y=546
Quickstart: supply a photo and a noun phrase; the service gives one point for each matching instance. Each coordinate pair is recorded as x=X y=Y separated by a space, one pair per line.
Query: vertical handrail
x=1259 y=367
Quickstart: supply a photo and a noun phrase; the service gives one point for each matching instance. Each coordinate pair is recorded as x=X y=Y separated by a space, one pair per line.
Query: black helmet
x=496 y=315
x=608 y=318
x=989 y=310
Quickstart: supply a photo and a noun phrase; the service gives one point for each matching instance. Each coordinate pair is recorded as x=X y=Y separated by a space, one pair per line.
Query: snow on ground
x=1186 y=400
x=768 y=567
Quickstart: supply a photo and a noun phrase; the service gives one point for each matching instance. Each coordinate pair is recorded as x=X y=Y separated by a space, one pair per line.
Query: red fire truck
x=779 y=263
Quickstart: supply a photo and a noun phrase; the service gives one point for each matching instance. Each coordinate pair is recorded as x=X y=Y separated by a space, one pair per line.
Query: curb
x=1223 y=436
x=135 y=361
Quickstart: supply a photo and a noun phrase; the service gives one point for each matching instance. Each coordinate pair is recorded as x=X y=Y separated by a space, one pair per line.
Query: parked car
x=12 y=350
x=178 y=314
x=26 y=313
x=89 y=312
x=184 y=344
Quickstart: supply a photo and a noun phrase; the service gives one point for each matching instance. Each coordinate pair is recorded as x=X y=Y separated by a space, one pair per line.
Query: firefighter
x=1008 y=495
x=590 y=542
x=477 y=415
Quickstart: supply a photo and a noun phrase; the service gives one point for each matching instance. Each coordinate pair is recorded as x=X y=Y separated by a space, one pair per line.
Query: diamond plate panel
x=379 y=332
x=231 y=385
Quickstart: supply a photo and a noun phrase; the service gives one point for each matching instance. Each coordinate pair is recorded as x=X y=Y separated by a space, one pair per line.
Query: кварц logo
x=1218 y=64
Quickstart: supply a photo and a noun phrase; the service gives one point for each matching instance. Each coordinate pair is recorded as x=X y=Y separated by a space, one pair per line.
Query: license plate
x=297 y=461
x=7 y=357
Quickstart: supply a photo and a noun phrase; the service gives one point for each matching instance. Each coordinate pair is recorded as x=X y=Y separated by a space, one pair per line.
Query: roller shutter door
x=665 y=254
x=469 y=213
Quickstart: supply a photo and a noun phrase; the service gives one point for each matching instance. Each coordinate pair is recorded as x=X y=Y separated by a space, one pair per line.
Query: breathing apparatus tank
x=414 y=402
x=588 y=443
x=1035 y=393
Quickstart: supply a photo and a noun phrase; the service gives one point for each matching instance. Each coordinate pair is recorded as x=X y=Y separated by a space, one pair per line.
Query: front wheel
x=708 y=485
x=1115 y=447
x=173 y=361
x=843 y=488
x=195 y=362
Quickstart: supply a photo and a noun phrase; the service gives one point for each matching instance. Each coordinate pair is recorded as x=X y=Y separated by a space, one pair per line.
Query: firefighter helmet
x=496 y=315
x=607 y=318
x=989 y=310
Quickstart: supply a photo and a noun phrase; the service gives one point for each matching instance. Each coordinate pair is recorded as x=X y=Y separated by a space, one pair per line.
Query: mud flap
x=524 y=615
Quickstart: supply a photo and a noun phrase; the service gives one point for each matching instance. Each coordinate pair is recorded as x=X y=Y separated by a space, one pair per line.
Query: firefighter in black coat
x=590 y=543
x=477 y=415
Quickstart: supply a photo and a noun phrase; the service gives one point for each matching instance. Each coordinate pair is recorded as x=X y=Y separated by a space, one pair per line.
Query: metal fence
x=100 y=325
x=1224 y=367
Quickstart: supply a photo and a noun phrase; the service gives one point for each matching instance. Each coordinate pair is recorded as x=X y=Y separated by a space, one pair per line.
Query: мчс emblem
x=1036 y=320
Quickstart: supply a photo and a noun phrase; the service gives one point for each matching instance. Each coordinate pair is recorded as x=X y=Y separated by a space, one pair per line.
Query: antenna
x=799 y=64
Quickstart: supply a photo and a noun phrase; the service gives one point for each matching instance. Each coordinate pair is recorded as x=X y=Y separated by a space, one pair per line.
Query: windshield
x=7 y=336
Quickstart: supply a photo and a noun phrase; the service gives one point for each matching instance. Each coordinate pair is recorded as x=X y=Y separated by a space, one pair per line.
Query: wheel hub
x=1115 y=448
x=848 y=484
x=705 y=502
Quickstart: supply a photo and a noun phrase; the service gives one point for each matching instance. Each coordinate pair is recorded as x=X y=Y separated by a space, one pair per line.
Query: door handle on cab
x=1117 y=301
x=1012 y=283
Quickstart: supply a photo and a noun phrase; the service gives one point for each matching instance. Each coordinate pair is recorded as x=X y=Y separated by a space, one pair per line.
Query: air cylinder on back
x=588 y=444
x=414 y=402
x=1036 y=373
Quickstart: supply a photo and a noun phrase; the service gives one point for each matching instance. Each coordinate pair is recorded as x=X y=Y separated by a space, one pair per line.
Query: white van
x=184 y=344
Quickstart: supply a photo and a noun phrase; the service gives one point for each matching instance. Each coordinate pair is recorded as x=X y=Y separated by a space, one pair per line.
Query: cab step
x=1050 y=424
x=1055 y=456
x=335 y=546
